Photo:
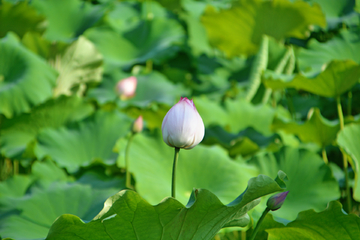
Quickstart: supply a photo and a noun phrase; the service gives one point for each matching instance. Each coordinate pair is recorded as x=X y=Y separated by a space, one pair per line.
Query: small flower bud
x=126 y=88
x=182 y=126
x=276 y=201
x=138 y=125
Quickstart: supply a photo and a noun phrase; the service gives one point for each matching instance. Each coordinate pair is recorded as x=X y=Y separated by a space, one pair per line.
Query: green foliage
x=248 y=20
x=21 y=74
x=348 y=139
x=81 y=144
x=316 y=129
x=80 y=63
x=329 y=224
x=191 y=174
x=17 y=133
x=19 y=18
x=344 y=46
x=161 y=37
x=67 y=19
x=275 y=82
x=127 y=213
x=315 y=189
x=336 y=79
x=38 y=211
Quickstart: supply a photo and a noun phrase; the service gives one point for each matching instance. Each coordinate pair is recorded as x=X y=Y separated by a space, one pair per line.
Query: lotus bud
x=126 y=87
x=182 y=126
x=138 y=125
x=276 y=201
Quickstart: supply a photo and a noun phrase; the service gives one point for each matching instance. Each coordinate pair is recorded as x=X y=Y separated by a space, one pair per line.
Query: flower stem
x=349 y=105
x=259 y=223
x=149 y=66
x=176 y=157
x=324 y=156
x=345 y=161
x=128 y=175
x=16 y=167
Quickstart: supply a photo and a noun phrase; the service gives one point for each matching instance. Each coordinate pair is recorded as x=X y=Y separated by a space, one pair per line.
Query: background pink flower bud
x=138 y=125
x=126 y=88
x=276 y=201
x=182 y=126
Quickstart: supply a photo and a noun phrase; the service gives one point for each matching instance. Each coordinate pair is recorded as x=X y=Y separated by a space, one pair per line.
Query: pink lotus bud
x=126 y=87
x=275 y=202
x=138 y=125
x=182 y=126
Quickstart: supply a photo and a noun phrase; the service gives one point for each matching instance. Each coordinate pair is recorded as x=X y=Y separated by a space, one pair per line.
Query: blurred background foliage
x=267 y=77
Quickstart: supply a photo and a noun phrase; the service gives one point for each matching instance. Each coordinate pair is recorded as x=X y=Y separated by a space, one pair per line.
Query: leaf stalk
x=176 y=158
x=127 y=150
x=345 y=160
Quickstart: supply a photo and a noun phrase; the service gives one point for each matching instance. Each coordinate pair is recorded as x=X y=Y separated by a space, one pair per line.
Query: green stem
x=349 y=105
x=324 y=156
x=128 y=175
x=290 y=105
x=279 y=69
x=345 y=161
x=176 y=158
x=340 y=113
x=16 y=167
x=259 y=65
x=243 y=235
x=149 y=66
x=259 y=223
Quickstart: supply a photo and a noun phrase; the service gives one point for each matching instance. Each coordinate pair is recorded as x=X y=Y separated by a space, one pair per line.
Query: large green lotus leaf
x=174 y=5
x=80 y=63
x=22 y=74
x=19 y=18
x=245 y=142
x=152 y=115
x=316 y=129
x=123 y=16
x=334 y=8
x=210 y=111
x=248 y=20
x=98 y=180
x=337 y=12
x=85 y=142
x=331 y=224
x=15 y=186
x=237 y=115
x=336 y=79
x=197 y=37
x=349 y=139
x=42 y=46
x=311 y=184
x=344 y=46
x=202 y=167
x=151 y=88
x=198 y=41
x=156 y=39
x=155 y=87
x=31 y=216
x=68 y=19
x=126 y=15
x=267 y=223
x=18 y=132
x=242 y=114
x=128 y=216
x=43 y=174
x=46 y=172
